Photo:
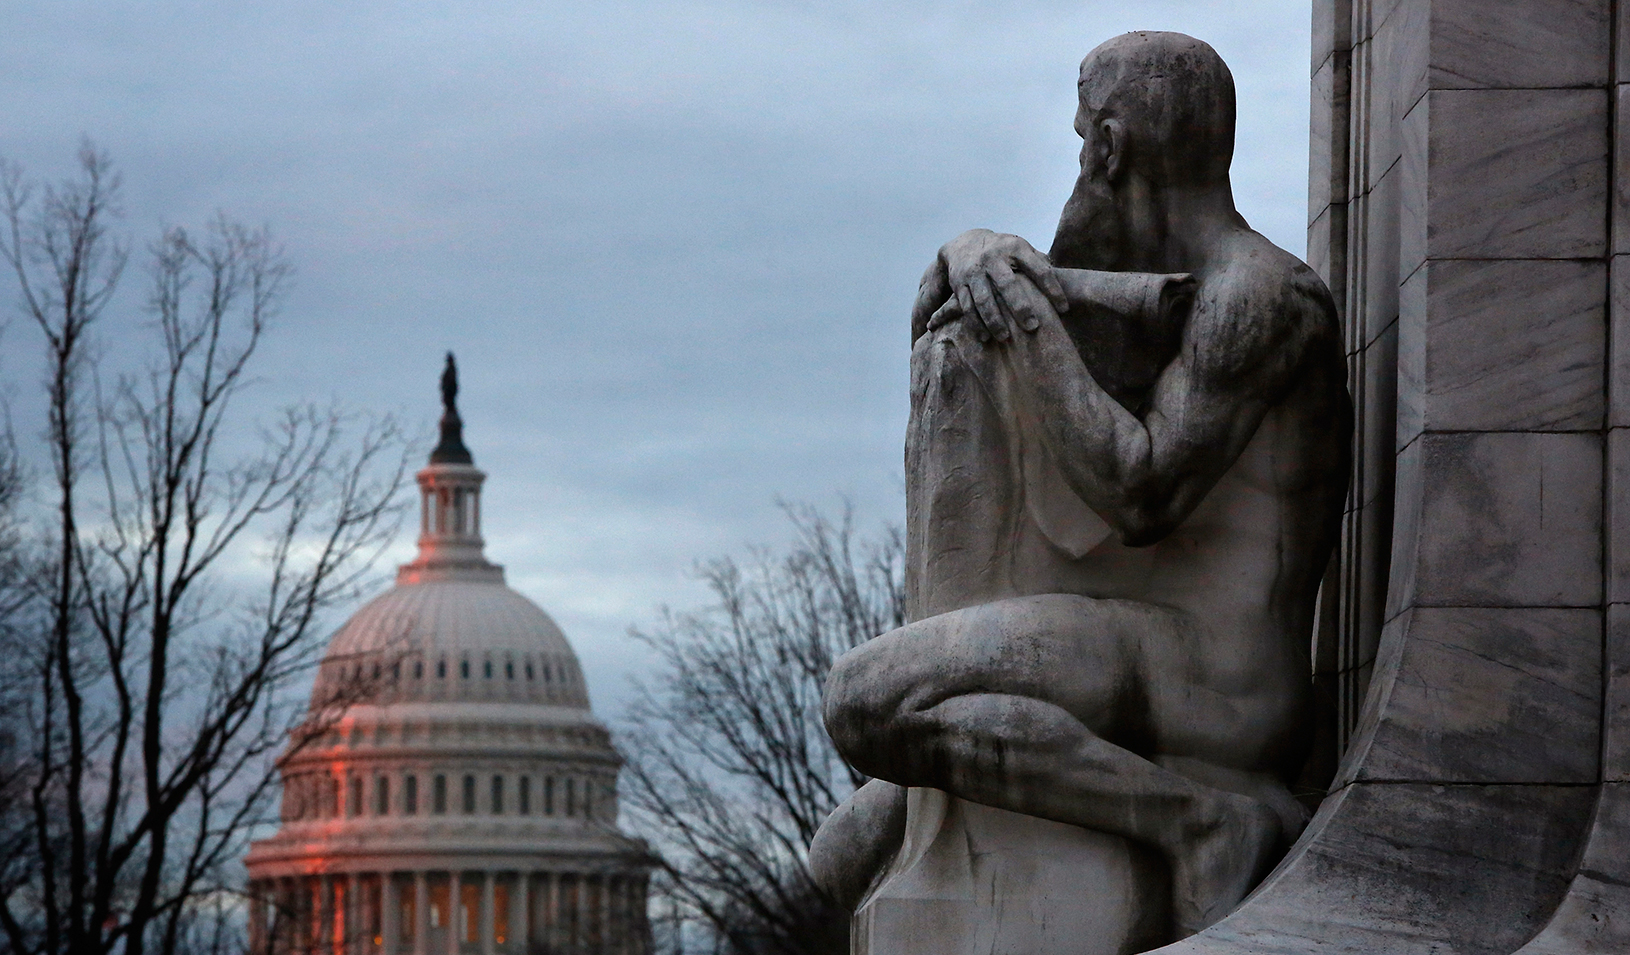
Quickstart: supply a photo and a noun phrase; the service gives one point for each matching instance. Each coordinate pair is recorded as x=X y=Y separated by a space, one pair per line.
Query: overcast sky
x=674 y=244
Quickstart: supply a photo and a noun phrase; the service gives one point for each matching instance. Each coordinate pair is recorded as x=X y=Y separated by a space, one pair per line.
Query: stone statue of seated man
x=1126 y=465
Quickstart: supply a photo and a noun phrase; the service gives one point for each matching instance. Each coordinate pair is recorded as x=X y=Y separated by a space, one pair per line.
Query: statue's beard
x=1091 y=229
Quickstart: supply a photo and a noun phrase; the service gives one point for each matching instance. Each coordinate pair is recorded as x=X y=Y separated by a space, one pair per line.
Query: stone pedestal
x=972 y=880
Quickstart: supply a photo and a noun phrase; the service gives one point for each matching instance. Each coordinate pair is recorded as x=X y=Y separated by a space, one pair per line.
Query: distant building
x=469 y=803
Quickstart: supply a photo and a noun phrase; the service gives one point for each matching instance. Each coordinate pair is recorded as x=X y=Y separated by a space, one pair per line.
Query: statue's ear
x=1112 y=139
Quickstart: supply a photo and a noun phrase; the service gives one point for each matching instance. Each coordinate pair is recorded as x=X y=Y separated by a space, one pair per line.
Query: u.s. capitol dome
x=451 y=791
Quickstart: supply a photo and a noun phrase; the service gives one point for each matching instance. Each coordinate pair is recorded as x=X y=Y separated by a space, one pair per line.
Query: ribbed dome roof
x=452 y=640
x=450 y=617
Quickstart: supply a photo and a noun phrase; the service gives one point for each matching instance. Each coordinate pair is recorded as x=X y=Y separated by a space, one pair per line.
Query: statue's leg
x=858 y=841
x=1014 y=704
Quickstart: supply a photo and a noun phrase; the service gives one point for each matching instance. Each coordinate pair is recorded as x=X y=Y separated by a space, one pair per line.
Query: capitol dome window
x=382 y=795
x=439 y=796
x=497 y=795
x=464 y=668
x=418 y=669
x=441 y=668
x=354 y=805
x=410 y=795
x=469 y=795
x=529 y=669
x=509 y=669
x=571 y=796
x=486 y=669
x=549 y=796
x=524 y=796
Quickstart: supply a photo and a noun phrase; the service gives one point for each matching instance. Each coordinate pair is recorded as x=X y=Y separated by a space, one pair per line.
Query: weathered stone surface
x=1618 y=320
x=1541 y=329
x=1505 y=520
x=1484 y=695
x=1618 y=503
x=1377 y=415
x=1594 y=917
x=989 y=881
x=1109 y=580
x=1515 y=174
x=1413 y=869
x=1535 y=44
x=1616 y=708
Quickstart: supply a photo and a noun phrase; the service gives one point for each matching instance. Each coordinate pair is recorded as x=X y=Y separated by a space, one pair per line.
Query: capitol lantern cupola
x=451 y=790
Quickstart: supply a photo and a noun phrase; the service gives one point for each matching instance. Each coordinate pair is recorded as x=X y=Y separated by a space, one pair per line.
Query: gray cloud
x=674 y=243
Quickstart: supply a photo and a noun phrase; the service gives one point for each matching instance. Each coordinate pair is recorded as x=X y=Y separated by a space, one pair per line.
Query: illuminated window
x=471 y=912
x=497 y=795
x=382 y=796
x=500 y=913
x=410 y=795
x=469 y=795
x=409 y=922
x=438 y=796
x=438 y=904
x=524 y=797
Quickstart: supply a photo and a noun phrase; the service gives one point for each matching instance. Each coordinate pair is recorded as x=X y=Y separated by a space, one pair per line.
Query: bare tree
x=730 y=770
x=151 y=691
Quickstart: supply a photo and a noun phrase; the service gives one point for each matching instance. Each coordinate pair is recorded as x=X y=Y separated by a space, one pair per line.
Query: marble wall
x=1469 y=210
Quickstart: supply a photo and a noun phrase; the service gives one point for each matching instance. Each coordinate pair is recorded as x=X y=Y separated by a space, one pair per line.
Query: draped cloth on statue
x=990 y=516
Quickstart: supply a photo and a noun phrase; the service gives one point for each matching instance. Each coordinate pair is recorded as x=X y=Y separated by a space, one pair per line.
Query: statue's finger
x=945 y=314
x=1041 y=271
x=984 y=299
x=965 y=304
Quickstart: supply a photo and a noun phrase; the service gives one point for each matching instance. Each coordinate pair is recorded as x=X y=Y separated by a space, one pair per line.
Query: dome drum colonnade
x=464 y=798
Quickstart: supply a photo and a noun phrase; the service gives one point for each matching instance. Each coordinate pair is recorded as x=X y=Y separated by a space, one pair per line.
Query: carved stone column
x=521 y=906
x=486 y=930
x=390 y=913
x=421 y=913
x=552 y=936
x=455 y=913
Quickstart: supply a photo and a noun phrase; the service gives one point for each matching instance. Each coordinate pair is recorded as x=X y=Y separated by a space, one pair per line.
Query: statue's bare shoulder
x=1260 y=317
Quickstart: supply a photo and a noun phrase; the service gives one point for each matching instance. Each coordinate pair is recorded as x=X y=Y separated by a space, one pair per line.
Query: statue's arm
x=1241 y=349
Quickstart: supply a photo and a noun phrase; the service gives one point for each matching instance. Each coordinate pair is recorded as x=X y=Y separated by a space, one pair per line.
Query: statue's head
x=1156 y=113
x=1168 y=99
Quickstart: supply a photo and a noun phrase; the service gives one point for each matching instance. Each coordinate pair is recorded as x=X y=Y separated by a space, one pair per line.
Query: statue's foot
x=1216 y=867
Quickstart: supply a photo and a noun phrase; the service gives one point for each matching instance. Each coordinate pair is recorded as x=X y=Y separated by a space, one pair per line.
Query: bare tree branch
x=730 y=771
x=152 y=693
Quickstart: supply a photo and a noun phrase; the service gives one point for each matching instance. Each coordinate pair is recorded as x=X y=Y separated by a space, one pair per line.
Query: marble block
x=973 y=880
x=1498 y=520
x=1484 y=695
x=1515 y=174
x=1413 y=869
x=1540 y=328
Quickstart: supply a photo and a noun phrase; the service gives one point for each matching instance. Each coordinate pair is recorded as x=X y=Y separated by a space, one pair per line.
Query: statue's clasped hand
x=998 y=280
